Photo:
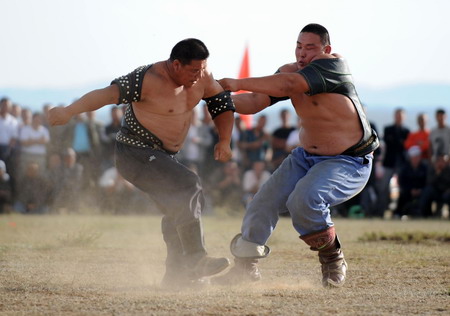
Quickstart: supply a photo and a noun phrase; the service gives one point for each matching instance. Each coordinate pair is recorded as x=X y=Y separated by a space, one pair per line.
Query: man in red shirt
x=421 y=137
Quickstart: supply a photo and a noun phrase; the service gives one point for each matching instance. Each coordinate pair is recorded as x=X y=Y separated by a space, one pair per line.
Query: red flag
x=244 y=72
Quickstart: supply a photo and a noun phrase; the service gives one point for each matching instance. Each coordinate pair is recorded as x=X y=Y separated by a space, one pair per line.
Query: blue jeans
x=306 y=185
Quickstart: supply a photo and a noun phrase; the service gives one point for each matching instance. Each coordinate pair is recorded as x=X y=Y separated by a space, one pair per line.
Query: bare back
x=165 y=108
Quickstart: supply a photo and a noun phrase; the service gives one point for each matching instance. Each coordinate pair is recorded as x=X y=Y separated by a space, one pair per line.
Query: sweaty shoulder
x=292 y=67
x=327 y=56
x=210 y=85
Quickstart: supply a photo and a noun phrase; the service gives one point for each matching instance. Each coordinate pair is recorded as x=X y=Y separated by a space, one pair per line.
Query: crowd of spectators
x=57 y=169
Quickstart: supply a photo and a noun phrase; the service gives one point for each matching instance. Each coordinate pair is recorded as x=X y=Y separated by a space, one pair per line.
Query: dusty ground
x=112 y=265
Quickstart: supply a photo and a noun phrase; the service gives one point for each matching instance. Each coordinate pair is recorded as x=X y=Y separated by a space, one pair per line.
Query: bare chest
x=324 y=106
x=159 y=96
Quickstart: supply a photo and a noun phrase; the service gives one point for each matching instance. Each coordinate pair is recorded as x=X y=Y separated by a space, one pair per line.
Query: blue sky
x=69 y=44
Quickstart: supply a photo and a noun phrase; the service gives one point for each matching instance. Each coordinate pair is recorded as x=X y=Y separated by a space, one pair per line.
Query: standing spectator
x=420 y=138
x=440 y=135
x=438 y=187
x=85 y=141
x=59 y=139
x=5 y=189
x=69 y=195
x=9 y=130
x=279 y=138
x=16 y=111
x=111 y=130
x=26 y=118
x=33 y=193
x=45 y=108
x=412 y=180
x=254 y=179
x=394 y=157
x=33 y=141
x=254 y=143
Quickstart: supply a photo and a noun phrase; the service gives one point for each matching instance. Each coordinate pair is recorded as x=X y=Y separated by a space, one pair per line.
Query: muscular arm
x=224 y=123
x=250 y=103
x=91 y=101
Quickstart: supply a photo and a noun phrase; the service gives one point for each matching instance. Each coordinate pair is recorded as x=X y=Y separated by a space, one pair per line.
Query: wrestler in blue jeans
x=332 y=164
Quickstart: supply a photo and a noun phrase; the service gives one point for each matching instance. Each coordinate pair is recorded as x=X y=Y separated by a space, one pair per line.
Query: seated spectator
x=279 y=138
x=54 y=177
x=412 y=180
x=33 y=193
x=5 y=189
x=253 y=180
x=293 y=140
x=438 y=187
x=227 y=191
x=118 y=196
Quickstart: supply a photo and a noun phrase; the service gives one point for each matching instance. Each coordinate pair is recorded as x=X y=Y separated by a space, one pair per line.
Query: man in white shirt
x=440 y=136
x=34 y=139
x=9 y=128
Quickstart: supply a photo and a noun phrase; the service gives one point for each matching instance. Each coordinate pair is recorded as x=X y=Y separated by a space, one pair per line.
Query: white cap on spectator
x=414 y=151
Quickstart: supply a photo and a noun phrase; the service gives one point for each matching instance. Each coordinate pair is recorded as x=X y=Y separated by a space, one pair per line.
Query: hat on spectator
x=414 y=151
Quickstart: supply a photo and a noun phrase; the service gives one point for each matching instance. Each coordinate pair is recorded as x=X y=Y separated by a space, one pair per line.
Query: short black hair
x=440 y=111
x=319 y=30
x=189 y=49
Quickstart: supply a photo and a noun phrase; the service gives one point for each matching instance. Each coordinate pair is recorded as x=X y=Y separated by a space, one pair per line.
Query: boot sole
x=218 y=269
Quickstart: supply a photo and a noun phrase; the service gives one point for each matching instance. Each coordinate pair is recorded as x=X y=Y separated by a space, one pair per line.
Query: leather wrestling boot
x=245 y=270
x=176 y=276
x=331 y=257
x=246 y=256
x=198 y=263
x=334 y=267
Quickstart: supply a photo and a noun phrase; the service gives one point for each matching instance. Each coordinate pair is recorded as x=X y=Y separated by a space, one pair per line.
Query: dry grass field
x=112 y=265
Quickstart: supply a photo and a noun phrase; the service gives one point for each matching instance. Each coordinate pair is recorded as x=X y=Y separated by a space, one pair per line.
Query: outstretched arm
x=91 y=101
x=250 y=103
x=278 y=85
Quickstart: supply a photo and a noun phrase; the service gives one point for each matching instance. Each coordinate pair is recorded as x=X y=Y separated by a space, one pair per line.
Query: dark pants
x=174 y=188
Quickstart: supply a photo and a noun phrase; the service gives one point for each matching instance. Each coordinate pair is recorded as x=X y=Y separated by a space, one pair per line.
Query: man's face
x=440 y=118
x=399 y=117
x=308 y=47
x=189 y=74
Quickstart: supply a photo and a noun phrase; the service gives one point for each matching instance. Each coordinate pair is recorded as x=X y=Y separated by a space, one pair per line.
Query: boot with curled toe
x=331 y=257
x=245 y=269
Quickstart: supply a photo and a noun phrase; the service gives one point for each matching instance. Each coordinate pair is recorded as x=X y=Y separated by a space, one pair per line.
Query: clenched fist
x=59 y=116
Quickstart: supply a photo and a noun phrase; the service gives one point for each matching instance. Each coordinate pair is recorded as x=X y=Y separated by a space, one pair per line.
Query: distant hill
x=380 y=103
